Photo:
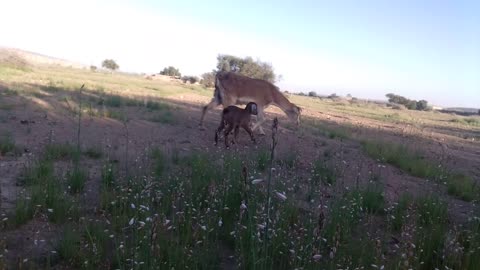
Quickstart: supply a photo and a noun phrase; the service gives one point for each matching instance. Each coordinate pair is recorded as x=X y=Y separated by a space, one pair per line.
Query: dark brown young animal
x=234 y=117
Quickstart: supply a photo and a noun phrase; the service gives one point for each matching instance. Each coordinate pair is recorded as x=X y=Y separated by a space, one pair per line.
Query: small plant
x=69 y=245
x=23 y=211
x=431 y=236
x=321 y=173
x=60 y=151
x=117 y=115
x=462 y=187
x=93 y=152
x=108 y=177
x=113 y=101
x=7 y=144
x=398 y=212
x=262 y=159
x=155 y=106
x=431 y=210
x=39 y=174
x=76 y=179
x=401 y=157
x=158 y=162
x=166 y=117
x=290 y=160
x=373 y=201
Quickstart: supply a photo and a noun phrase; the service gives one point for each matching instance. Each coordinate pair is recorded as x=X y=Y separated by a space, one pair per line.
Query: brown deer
x=235 y=89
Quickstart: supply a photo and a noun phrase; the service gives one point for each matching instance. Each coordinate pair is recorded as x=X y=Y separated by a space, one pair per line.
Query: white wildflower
x=132 y=205
x=257 y=181
x=281 y=196
x=131 y=221
x=317 y=257
x=50 y=210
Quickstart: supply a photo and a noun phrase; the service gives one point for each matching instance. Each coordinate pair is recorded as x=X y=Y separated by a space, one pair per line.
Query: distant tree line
x=420 y=105
x=244 y=66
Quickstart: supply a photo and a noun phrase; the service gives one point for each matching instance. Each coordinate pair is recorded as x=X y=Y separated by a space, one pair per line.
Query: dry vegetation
x=117 y=176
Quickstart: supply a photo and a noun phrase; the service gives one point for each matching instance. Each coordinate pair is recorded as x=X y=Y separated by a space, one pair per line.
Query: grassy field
x=117 y=176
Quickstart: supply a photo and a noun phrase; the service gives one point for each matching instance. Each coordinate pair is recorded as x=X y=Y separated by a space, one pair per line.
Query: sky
x=419 y=49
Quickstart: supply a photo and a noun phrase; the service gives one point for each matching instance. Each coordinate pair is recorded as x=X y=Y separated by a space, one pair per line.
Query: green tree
x=190 y=79
x=208 y=79
x=422 y=105
x=171 y=71
x=247 y=67
x=110 y=64
x=397 y=99
x=411 y=105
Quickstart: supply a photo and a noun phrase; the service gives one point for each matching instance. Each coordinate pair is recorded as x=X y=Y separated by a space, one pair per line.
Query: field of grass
x=117 y=203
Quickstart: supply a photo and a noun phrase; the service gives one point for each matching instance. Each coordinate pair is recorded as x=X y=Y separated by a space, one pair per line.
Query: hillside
x=15 y=56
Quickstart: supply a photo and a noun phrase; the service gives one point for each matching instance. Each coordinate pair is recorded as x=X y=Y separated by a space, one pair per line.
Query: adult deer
x=235 y=89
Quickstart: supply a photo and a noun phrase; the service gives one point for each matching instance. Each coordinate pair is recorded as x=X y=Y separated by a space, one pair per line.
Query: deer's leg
x=213 y=103
x=260 y=120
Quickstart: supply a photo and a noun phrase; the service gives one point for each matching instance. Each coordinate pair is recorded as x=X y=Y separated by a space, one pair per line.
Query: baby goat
x=234 y=117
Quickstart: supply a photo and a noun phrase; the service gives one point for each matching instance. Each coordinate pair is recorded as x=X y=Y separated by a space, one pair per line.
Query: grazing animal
x=235 y=89
x=234 y=118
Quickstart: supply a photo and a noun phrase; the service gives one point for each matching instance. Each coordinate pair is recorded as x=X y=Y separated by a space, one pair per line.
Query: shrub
x=190 y=79
x=171 y=71
x=110 y=64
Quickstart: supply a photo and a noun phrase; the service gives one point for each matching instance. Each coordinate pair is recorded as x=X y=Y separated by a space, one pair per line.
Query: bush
x=190 y=79
x=312 y=94
x=110 y=64
x=398 y=107
x=171 y=71
x=208 y=79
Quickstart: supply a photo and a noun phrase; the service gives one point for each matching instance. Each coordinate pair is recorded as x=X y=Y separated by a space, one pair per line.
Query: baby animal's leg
x=249 y=131
x=227 y=131
x=220 y=128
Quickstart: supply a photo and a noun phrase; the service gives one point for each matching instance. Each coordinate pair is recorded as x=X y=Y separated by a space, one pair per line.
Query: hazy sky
x=419 y=49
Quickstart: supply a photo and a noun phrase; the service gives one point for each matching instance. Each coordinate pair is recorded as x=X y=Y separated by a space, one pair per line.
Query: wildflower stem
x=269 y=180
x=79 y=117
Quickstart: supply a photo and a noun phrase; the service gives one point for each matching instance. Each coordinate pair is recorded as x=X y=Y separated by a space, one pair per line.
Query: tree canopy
x=171 y=71
x=246 y=66
x=110 y=64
